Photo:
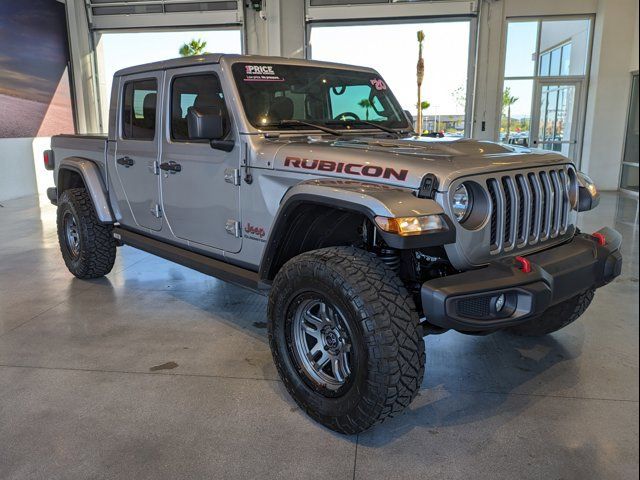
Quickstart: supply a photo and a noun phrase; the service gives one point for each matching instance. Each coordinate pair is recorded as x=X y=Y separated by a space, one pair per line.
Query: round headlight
x=461 y=203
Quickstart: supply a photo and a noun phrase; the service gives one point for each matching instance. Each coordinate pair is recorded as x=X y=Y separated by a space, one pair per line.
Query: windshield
x=277 y=96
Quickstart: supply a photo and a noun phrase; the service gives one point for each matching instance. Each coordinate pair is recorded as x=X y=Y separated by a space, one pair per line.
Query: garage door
x=108 y=14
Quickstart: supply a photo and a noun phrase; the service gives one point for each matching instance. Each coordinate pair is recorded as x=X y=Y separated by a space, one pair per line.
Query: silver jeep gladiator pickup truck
x=305 y=181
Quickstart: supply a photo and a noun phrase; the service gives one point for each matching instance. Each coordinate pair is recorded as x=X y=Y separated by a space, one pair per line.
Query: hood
x=403 y=162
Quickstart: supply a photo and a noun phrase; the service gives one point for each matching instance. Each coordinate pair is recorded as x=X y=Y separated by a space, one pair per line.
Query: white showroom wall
x=609 y=91
x=22 y=157
x=15 y=154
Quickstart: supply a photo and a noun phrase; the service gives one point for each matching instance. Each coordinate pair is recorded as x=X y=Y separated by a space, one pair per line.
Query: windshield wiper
x=284 y=123
x=365 y=122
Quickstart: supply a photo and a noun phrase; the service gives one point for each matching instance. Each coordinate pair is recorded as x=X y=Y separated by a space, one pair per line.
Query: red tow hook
x=525 y=265
x=602 y=241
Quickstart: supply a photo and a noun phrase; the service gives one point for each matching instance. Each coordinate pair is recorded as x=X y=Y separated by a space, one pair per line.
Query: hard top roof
x=213 y=58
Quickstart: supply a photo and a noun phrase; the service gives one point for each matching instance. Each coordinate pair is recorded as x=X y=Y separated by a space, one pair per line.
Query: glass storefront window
x=116 y=50
x=520 y=58
x=629 y=176
x=544 y=73
x=565 y=69
x=516 y=112
x=392 y=50
x=568 y=43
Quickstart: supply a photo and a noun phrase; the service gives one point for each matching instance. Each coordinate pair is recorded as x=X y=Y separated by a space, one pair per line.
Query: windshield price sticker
x=261 y=73
x=378 y=84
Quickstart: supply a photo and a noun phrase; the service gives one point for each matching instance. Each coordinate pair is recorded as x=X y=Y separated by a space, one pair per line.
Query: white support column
x=609 y=87
x=84 y=85
x=274 y=26
x=292 y=28
x=279 y=30
x=487 y=105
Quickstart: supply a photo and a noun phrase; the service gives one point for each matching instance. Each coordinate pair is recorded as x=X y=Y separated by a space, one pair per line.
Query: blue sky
x=520 y=62
x=122 y=50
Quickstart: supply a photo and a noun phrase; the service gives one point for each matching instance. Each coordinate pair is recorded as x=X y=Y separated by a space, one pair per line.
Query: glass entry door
x=555 y=124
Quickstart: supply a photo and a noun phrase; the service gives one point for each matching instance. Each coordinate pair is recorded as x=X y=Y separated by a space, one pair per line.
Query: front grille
x=527 y=208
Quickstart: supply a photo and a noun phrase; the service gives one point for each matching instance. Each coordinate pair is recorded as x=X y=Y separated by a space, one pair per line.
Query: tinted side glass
x=194 y=91
x=139 y=110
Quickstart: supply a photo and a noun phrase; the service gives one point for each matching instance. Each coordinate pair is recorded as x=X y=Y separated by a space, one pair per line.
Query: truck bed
x=90 y=146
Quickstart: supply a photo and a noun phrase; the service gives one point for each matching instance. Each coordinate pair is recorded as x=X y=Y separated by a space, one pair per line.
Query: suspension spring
x=390 y=257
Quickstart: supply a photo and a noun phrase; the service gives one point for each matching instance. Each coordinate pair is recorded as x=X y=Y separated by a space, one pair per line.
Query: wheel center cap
x=331 y=339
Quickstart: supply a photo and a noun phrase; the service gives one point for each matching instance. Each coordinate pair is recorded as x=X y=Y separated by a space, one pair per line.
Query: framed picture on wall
x=35 y=94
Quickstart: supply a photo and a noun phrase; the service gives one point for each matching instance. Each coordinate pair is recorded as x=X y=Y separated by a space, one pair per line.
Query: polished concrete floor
x=159 y=372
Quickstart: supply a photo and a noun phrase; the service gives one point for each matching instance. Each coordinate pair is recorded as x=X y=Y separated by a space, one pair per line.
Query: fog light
x=500 y=302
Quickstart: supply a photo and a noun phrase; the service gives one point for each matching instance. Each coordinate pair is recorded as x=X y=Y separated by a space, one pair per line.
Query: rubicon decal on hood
x=346 y=168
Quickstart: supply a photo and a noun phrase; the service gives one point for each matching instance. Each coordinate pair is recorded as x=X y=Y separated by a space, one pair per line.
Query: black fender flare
x=369 y=200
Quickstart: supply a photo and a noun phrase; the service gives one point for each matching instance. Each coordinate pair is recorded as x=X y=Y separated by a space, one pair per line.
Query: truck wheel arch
x=297 y=230
x=76 y=172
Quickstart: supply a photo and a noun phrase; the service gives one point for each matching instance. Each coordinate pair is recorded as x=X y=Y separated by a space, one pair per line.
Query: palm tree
x=366 y=104
x=507 y=101
x=194 y=47
x=423 y=106
x=420 y=76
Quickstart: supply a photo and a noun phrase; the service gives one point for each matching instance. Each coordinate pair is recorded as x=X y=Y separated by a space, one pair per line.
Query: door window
x=139 y=110
x=194 y=91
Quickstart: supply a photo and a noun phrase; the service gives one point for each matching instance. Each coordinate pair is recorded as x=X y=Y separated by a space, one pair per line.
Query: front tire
x=345 y=337
x=88 y=247
x=556 y=317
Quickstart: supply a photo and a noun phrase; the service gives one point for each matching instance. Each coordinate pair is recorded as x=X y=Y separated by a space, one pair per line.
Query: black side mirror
x=207 y=123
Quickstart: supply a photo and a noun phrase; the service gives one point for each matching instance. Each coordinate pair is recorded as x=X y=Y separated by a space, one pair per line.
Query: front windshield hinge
x=248 y=178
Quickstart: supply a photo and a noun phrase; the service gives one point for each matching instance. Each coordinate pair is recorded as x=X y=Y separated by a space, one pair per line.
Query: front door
x=555 y=124
x=136 y=153
x=200 y=187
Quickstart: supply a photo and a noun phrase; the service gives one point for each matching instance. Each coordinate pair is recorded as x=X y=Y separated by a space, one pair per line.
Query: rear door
x=201 y=201
x=138 y=148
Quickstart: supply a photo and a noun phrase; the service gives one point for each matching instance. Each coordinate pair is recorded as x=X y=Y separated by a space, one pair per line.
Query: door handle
x=126 y=161
x=171 y=167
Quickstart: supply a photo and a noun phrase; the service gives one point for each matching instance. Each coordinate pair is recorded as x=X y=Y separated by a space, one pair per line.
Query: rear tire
x=88 y=247
x=556 y=317
x=357 y=315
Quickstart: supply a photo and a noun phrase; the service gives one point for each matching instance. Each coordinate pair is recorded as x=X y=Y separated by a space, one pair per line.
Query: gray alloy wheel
x=321 y=343
x=71 y=233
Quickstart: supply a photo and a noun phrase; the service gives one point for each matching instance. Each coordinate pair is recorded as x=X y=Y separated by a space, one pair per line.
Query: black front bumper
x=471 y=301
